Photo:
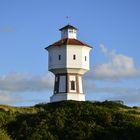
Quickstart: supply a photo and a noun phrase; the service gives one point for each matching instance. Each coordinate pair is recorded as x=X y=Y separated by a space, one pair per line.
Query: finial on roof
x=68 y=19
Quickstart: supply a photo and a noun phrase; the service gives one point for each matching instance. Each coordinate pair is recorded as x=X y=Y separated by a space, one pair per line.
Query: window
x=85 y=58
x=72 y=85
x=70 y=31
x=74 y=57
x=59 y=57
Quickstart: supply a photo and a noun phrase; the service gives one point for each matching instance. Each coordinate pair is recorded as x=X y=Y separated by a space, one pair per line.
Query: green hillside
x=70 y=120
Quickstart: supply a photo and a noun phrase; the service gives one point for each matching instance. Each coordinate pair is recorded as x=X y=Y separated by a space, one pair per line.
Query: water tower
x=68 y=60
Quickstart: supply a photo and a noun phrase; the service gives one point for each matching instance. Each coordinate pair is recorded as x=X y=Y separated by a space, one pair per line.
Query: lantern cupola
x=68 y=31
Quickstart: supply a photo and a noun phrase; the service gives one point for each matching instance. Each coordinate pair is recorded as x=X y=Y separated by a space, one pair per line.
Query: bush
x=68 y=120
x=3 y=135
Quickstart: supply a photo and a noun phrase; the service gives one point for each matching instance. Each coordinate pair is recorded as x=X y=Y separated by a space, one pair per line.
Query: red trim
x=56 y=85
x=68 y=41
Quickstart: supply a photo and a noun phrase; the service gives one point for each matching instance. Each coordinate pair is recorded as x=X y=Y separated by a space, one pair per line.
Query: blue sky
x=110 y=26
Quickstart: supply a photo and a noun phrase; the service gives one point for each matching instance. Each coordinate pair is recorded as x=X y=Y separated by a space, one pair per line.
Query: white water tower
x=68 y=59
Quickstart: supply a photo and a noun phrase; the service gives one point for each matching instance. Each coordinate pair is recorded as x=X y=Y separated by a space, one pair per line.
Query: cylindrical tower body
x=68 y=60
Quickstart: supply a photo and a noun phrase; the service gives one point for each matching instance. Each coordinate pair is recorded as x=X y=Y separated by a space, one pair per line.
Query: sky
x=110 y=26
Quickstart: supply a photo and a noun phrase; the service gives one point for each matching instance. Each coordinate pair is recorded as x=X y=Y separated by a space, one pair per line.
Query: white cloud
x=20 y=83
x=118 y=66
x=5 y=97
x=116 y=90
x=23 y=82
x=130 y=95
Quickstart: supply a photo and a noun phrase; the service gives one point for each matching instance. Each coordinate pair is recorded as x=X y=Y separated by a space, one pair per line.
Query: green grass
x=70 y=120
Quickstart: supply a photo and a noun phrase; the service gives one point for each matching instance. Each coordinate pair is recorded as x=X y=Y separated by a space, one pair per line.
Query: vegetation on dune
x=68 y=120
x=3 y=135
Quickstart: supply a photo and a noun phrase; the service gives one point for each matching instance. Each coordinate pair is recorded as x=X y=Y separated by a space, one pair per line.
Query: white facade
x=72 y=57
x=62 y=84
x=69 y=33
x=68 y=96
x=80 y=53
x=54 y=60
x=68 y=60
x=80 y=84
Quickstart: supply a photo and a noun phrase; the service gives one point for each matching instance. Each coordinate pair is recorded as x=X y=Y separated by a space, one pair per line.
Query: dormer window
x=70 y=31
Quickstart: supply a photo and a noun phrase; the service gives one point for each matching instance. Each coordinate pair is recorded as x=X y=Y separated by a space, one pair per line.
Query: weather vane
x=68 y=19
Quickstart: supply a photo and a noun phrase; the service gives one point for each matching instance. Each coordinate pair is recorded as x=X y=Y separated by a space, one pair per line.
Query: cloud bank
x=100 y=79
x=130 y=95
x=21 y=83
x=118 y=66
x=18 y=82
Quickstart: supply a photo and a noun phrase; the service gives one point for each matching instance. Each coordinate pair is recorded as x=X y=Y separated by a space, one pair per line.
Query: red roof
x=68 y=41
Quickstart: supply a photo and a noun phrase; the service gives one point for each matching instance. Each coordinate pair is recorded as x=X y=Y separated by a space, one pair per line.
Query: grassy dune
x=70 y=120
